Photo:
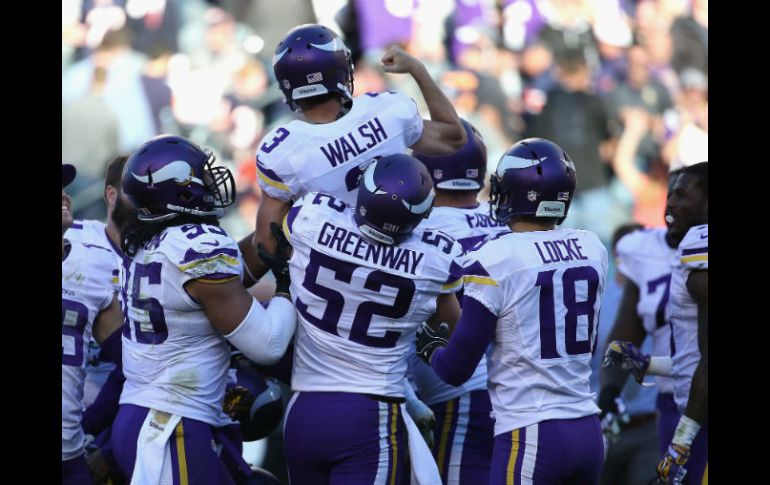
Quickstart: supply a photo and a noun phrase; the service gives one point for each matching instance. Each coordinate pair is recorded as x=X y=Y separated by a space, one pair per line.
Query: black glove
x=614 y=414
x=278 y=261
x=428 y=340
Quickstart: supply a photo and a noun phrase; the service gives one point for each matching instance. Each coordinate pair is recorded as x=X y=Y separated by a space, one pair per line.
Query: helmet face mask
x=312 y=60
x=395 y=194
x=535 y=178
x=169 y=175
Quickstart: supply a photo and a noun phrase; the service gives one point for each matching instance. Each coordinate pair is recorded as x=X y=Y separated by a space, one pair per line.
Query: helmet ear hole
x=186 y=196
x=539 y=170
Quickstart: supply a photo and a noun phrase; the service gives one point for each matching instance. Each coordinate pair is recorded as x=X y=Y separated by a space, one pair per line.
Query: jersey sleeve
x=627 y=263
x=102 y=266
x=694 y=249
x=482 y=286
x=454 y=280
x=206 y=253
x=405 y=109
x=294 y=223
x=274 y=170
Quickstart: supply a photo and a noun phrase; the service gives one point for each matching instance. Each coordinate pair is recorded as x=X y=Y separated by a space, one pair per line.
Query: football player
x=89 y=308
x=535 y=293
x=644 y=259
x=686 y=458
x=363 y=279
x=184 y=301
x=463 y=433
x=334 y=135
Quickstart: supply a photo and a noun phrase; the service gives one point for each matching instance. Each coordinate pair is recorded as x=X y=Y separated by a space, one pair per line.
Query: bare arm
x=697 y=404
x=628 y=327
x=447 y=311
x=225 y=304
x=270 y=210
x=444 y=133
x=108 y=321
x=263 y=335
x=636 y=126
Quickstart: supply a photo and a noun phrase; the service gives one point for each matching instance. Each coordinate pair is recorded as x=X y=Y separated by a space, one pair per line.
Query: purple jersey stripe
x=469 y=242
x=219 y=276
x=76 y=225
x=455 y=273
x=291 y=216
x=193 y=255
x=268 y=173
x=475 y=269
x=89 y=245
x=687 y=252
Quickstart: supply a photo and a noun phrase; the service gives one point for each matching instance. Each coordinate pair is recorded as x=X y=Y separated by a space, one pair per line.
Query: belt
x=386 y=399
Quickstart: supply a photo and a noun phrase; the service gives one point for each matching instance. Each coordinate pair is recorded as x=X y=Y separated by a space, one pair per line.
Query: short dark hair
x=114 y=172
x=624 y=229
x=701 y=171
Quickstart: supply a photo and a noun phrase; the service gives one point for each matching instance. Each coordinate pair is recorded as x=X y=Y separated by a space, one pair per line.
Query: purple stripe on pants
x=338 y=437
x=474 y=436
x=444 y=434
x=199 y=462
x=668 y=418
x=75 y=472
x=553 y=451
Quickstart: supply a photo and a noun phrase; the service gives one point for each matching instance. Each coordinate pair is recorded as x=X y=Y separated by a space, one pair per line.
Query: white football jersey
x=300 y=157
x=95 y=232
x=646 y=259
x=682 y=312
x=546 y=288
x=359 y=302
x=469 y=227
x=173 y=359
x=84 y=294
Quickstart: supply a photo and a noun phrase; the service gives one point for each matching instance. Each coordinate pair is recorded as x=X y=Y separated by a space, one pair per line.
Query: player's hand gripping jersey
x=173 y=359
x=83 y=296
x=360 y=303
x=646 y=259
x=692 y=255
x=299 y=157
x=545 y=288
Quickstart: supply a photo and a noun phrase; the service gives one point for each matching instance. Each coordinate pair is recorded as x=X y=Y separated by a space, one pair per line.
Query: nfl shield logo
x=563 y=196
x=472 y=173
x=531 y=196
x=286 y=84
x=438 y=173
x=362 y=210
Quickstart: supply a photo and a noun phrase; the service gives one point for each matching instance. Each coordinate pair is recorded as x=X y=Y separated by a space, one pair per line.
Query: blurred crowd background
x=622 y=85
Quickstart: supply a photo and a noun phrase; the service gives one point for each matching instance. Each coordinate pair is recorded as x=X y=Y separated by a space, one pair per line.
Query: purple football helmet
x=535 y=177
x=462 y=170
x=312 y=60
x=169 y=175
x=395 y=193
x=266 y=411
